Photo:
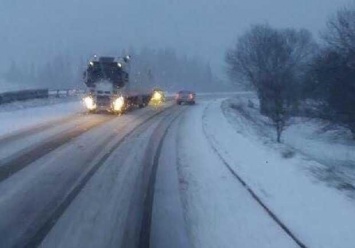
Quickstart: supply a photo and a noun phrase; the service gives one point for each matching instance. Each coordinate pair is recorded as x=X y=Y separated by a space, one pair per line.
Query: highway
x=48 y=169
x=153 y=177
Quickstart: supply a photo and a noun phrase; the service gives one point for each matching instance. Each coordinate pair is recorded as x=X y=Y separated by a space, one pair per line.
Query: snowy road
x=45 y=170
x=177 y=176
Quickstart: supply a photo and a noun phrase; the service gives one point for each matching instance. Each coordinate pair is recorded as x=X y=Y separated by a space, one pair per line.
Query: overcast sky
x=32 y=29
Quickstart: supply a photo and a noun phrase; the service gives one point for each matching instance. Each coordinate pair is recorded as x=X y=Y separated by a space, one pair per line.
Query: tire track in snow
x=273 y=216
x=23 y=133
x=156 y=143
x=17 y=162
x=21 y=159
x=36 y=239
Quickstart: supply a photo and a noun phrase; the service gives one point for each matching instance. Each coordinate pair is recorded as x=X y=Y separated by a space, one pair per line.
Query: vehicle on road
x=186 y=97
x=109 y=87
x=158 y=97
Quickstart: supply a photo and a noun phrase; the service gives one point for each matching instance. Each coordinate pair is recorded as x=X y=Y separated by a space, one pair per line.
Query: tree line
x=170 y=71
x=288 y=68
x=150 y=68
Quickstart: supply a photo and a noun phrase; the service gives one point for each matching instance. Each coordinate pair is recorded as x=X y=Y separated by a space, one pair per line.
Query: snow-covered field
x=319 y=215
x=330 y=145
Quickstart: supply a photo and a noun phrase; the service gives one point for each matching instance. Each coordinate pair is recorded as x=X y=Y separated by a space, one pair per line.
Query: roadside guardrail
x=64 y=93
x=23 y=95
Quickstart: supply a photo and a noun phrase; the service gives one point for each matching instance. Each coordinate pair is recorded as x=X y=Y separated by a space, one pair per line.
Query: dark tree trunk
x=352 y=130
x=263 y=105
x=279 y=131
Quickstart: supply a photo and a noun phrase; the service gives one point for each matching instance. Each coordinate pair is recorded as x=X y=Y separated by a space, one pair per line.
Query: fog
x=35 y=31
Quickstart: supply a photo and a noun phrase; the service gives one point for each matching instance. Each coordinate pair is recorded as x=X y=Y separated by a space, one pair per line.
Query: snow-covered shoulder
x=12 y=121
x=219 y=210
x=319 y=215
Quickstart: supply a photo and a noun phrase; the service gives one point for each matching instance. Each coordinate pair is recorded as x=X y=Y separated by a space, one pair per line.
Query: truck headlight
x=118 y=104
x=89 y=103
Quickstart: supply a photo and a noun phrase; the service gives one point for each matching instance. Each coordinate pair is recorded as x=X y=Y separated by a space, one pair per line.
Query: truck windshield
x=109 y=71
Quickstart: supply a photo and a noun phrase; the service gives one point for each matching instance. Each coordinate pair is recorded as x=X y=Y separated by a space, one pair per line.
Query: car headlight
x=89 y=103
x=118 y=104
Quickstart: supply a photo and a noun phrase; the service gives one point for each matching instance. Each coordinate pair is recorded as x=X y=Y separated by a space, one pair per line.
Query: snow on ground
x=306 y=135
x=12 y=121
x=331 y=148
x=19 y=105
x=110 y=202
x=168 y=228
x=317 y=214
x=219 y=210
x=326 y=143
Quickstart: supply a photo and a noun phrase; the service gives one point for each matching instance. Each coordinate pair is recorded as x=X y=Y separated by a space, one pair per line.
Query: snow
x=318 y=215
x=198 y=202
x=13 y=121
x=110 y=203
x=305 y=136
x=29 y=196
x=20 y=105
x=167 y=207
x=329 y=144
x=331 y=148
x=35 y=190
x=219 y=210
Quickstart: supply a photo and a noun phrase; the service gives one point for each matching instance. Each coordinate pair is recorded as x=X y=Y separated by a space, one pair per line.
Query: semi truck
x=109 y=86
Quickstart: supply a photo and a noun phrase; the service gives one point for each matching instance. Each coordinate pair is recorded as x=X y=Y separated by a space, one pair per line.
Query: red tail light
x=191 y=96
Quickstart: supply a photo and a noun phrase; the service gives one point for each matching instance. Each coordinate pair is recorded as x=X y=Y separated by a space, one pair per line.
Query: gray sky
x=36 y=29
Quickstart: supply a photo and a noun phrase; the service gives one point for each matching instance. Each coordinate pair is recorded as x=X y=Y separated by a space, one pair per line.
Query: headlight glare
x=118 y=104
x=89 y=103
x=157 y=96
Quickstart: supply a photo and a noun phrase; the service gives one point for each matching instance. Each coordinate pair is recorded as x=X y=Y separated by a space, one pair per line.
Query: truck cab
x=107 y=79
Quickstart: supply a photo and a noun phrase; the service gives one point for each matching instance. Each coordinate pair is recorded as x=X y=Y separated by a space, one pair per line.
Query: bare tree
x=334 y=69
x=340 y=32
x=273 y=61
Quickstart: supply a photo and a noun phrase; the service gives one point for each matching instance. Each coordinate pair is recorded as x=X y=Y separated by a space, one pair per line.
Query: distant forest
x=151 y=67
